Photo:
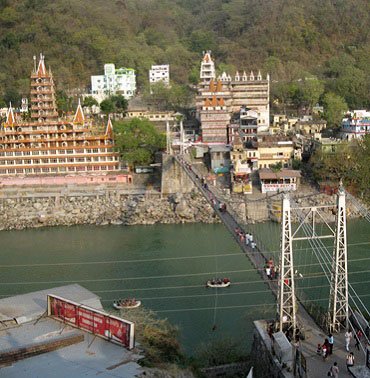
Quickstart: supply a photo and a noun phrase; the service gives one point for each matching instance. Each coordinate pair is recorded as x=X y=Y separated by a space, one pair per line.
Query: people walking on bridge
x=350 y=360
x=334 y=370
x=325 y=349
x=268 y=272
x=358 y=337
x=247 y=238
x=348 y=337
x=331 y=343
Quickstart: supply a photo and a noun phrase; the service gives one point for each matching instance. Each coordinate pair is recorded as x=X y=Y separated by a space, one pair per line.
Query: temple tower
x=43 y=102
x=207 y=68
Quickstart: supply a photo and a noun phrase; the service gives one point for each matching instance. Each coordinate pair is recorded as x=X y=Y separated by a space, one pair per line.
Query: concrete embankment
x=100 y=206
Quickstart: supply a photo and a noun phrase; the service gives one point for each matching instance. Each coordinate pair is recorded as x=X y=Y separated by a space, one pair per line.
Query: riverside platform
x=66 y=351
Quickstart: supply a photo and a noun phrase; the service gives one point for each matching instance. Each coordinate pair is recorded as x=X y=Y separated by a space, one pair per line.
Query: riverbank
x=20 y=213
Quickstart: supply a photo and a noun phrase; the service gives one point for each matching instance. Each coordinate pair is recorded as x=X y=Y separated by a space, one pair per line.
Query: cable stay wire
x=324 y=257
x=105 y=262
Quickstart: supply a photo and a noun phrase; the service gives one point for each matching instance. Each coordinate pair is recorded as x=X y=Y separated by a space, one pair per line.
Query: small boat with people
x=126 y=303
x=218 y=282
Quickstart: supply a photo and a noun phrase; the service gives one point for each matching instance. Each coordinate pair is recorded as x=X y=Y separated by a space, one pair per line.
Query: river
x=165 y=266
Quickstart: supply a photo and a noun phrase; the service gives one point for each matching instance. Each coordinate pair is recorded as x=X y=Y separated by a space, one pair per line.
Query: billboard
x=99 y=323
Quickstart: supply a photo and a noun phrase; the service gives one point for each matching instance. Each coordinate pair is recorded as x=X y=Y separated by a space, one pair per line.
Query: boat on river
x=218 y=282
x=126 y=303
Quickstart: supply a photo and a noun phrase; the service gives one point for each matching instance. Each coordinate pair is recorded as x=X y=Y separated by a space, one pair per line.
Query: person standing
x=268 y=272
x=348 y=337
x=335 y=370
x=358 y=337
x=331 y=343
x=350 y=360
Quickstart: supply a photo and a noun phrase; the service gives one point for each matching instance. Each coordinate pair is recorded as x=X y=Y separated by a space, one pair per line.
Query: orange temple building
x=48 y=145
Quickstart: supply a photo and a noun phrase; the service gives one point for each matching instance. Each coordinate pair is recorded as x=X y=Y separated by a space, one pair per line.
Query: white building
x=207 y=68
x=160 y=73
x=121 y=81
x=356 y=124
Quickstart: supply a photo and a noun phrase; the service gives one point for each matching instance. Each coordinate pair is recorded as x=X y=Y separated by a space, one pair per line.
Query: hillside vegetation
x=290 y=39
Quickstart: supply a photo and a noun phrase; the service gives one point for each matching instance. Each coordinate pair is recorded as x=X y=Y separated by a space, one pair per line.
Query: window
x=69 y=151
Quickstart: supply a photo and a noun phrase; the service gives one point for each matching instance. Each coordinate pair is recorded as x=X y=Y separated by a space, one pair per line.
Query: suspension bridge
x=345 y=309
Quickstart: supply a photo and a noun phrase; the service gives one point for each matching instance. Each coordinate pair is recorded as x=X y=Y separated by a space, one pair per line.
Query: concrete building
x=207 y=68
x=283 y=180
x=271 y=152
x=46 y=144
x=214 y=118
x=355 y=125
x=240 y=91
x=160 y=73
x=121 y=81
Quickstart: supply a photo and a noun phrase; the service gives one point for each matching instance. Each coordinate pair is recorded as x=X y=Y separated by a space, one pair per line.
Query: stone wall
x=104 y=208
x=265 y=363
x=174 y=179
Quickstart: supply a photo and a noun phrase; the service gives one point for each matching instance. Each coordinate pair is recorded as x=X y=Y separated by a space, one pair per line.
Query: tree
x=120 y=103
x=107 y=106
x=138 y=140
x=334 y=107
x=157 y=337
x=89 y=102
x=64 y=103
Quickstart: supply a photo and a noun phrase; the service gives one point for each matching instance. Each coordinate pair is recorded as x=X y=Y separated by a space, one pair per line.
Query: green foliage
x=114 y=104
x=350 y=162
x=296 y=164
x=138 y=141
x=276 y=167
x=290 y=40
x=334 y=108
x=107 y=106
x=64 y=103
x=220 y=352
x=89 y=102
x=157 y=337
x=176 y=97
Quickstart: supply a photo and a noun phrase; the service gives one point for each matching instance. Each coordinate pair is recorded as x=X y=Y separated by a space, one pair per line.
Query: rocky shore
x=102 y=210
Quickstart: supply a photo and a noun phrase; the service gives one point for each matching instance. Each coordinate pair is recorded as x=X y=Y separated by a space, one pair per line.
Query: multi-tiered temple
x=48 y=145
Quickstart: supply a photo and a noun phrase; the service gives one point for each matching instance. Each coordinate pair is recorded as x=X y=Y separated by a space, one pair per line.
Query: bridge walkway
x=316 y=365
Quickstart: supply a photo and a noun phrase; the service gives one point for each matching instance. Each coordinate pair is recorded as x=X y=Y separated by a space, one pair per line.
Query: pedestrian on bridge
x=331 y=343
x=350 y=360
x=334 y=370
x=348 y=337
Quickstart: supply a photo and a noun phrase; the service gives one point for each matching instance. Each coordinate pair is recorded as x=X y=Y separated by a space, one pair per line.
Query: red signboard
x=89 y=319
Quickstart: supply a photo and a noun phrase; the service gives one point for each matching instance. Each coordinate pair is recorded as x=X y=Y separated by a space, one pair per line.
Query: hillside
x=289 y=39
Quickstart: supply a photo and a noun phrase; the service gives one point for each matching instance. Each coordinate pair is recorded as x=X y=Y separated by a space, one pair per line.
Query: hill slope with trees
x=292 y=40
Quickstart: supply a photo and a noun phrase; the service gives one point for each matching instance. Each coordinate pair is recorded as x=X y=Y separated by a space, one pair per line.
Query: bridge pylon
x=338 y=301
x=286 y=300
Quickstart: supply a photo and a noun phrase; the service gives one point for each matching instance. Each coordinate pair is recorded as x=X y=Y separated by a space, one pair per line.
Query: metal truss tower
x=286 y=304
x=338 y=302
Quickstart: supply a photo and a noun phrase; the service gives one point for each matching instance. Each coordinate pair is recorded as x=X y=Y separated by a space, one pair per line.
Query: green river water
x=166 y=267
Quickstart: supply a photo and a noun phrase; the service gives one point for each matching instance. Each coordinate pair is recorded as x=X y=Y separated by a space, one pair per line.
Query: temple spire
x=79 y=117
x=41 y=70
x=10 y=119
x=109 y=129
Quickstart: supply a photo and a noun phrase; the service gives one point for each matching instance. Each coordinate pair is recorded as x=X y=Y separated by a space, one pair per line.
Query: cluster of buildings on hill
x=122 y=81
x=234 y=115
